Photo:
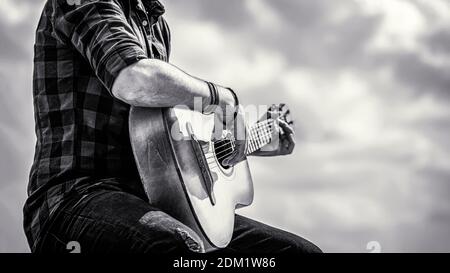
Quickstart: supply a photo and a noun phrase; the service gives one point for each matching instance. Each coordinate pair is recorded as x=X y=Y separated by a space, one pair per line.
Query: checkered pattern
x=81 y=129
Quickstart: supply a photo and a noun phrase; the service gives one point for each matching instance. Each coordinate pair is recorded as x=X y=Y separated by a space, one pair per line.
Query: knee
x=303 y=246
x=170 y=233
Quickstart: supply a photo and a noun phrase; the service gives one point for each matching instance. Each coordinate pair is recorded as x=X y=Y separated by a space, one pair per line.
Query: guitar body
x=180 y=169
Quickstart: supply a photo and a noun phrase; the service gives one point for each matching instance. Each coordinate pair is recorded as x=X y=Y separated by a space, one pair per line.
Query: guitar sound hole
x=222 y=149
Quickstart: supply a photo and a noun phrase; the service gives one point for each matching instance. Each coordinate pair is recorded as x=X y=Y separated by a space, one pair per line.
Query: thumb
x=229 y=160
x=226 y=162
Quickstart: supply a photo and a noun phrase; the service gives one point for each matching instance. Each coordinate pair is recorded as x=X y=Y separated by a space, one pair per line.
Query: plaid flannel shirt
x=82 y=130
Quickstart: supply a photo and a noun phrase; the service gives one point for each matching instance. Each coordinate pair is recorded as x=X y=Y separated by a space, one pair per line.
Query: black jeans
x=112 y=221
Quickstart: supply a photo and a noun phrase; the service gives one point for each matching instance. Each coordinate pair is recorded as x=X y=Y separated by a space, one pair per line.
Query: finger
x=288 y=144
x=287 y=117
x=273 y=108
x=228 y=160
x=284 y=109
x=285 y=126
x=291 y=138
x=231 y=161
x=237 y=156
x=234 y=156
x=272 y=112
x=291 y=143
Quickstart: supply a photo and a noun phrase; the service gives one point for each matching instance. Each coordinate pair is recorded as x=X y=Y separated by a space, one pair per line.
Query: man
x=93 y=59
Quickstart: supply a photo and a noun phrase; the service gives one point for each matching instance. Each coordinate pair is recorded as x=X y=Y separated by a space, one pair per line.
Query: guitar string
x=261 y=132
x=265 y=134
x=251 y=131
x=211 y=162
x=254 y=132
x=258 y=129
x=225 y=155
x=263 y=138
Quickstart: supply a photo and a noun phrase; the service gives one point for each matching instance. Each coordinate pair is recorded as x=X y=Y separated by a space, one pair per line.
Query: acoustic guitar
x=180 y=165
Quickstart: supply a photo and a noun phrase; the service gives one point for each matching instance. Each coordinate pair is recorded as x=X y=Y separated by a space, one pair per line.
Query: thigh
x=251 y=236
x=115 y=221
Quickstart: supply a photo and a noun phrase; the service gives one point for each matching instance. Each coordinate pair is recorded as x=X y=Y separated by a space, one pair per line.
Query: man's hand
x=285 y=145
x=230 y=117
x=239 y=129
x=284 y=132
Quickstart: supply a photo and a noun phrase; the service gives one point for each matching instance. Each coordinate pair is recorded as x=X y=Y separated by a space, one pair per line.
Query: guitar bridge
x=202 y=163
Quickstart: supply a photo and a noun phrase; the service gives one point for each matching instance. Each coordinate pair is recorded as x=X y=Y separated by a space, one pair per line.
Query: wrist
x=221 y=100
x=211 y=101
x=226 y=98
x=228 y=105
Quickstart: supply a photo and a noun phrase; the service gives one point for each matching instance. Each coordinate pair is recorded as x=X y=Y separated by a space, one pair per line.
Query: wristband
x=236 y=101
x=214 y=98
x=214 y=94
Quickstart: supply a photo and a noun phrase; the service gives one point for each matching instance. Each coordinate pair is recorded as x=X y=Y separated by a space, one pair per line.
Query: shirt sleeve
x=100 y=32
x=166 y=36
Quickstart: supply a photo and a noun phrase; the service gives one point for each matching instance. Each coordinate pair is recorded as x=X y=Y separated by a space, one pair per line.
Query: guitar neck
x=260 y=135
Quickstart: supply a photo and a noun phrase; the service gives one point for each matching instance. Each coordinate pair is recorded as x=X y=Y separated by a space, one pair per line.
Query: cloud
x=14 y=12
x=439 y=40
x=11 y=50
x=390 y=33
x=419 y=75
x=18 y=20
x=366 y=92
x=368 y=86
x=17 y=24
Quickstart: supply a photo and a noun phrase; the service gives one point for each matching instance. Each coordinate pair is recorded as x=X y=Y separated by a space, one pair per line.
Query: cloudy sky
x=369 y=86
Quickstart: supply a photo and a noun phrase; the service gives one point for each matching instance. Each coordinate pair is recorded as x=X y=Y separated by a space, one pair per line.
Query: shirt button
x=145 y=23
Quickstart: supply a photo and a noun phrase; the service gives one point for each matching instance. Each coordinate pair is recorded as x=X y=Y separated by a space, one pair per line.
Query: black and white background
x=369 y=85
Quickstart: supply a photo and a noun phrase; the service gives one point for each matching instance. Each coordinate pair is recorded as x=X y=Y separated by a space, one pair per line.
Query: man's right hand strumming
x=231 y=117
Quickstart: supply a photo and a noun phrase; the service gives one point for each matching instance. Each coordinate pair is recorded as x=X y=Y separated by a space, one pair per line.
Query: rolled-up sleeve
x=99 y=30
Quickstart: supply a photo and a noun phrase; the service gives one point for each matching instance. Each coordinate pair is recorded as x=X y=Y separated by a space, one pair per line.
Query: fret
x=258 y=138
x=262 y=135
x=259 y=135
x=255 y=138
x=252 y=141
x=255 y=144
x=262 y=132
x=268 y=134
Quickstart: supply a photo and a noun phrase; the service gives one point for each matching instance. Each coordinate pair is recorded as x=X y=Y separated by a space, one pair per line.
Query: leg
x=253 y=237
x=106 y=221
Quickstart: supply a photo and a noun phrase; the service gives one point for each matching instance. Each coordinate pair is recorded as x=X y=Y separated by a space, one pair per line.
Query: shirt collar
x=154 y=8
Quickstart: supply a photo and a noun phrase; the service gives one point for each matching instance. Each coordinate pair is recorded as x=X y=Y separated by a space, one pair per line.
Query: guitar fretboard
x=260 y=135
